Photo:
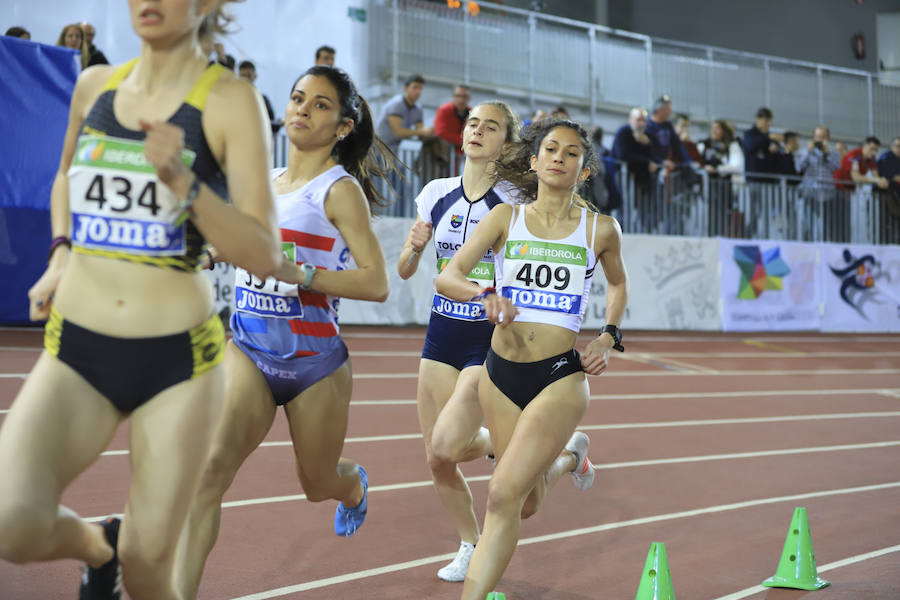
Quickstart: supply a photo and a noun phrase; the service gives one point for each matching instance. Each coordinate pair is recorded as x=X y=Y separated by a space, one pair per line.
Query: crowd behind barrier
x=691 y=202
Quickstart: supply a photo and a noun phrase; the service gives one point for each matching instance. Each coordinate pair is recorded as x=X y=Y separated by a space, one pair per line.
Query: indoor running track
x=706 y=442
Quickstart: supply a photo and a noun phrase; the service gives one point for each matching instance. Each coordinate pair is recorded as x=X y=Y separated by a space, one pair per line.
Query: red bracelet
x=484 y=294
x=56 y=242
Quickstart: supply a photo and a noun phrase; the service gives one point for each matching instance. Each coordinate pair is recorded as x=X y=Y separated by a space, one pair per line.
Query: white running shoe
x=456 y=570
x=583 y=475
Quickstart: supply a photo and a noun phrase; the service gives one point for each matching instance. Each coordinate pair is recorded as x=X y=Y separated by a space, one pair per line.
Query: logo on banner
x=858 y=281
x=456 y=221
x=760 y=271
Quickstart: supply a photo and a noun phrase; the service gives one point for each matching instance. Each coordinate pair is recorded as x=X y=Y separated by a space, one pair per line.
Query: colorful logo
x=456 y=220
x=760 y=271
x=520 y=249
x=92 y=152
x=858 y=277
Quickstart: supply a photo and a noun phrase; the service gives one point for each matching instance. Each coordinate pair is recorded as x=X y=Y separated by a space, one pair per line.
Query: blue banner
x=35 y=91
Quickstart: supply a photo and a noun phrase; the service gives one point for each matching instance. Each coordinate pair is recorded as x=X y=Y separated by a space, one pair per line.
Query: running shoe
x=104 y=582
x=456 y=570
x=348 y=520
x=583 y=475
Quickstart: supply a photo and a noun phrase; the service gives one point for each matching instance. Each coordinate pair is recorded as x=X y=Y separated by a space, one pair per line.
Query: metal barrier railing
x=693 y=203
x=556 y=60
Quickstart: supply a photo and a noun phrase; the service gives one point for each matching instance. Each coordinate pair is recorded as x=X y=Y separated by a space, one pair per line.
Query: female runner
x=287 y=350
x=534 y=392
x=459 y=333
x=153 y=151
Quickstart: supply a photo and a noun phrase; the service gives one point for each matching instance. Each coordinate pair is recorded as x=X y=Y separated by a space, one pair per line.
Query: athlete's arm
x=347 y=208
x=491 y=232
x=87 y=89
x=416 y=241
x=245 y=233
x=608 y=242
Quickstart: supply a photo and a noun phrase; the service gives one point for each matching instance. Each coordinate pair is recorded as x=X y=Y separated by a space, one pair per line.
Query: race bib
x=544 y=275
x=117 y=202
x=269 y=298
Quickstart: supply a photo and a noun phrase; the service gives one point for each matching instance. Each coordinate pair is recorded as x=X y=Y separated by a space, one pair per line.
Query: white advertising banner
x=409 y=301
x=673 y=285
x=770 y=286
x=861 y=287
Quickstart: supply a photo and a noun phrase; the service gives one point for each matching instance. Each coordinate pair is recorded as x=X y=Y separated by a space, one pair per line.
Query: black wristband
x=616 y=334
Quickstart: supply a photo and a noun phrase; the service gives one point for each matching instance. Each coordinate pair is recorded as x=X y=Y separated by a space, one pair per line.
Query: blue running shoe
x=348 y=520
x=104 y=582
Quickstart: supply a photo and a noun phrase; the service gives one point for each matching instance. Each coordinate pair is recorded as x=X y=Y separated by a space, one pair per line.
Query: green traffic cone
x=656 y=581
x=797 y=568
x=496 y=596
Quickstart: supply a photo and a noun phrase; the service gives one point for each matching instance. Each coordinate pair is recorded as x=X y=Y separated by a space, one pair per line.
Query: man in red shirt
x=859 y=166
x=450 y=118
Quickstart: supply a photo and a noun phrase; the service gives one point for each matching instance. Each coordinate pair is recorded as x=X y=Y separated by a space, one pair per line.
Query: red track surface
x=690 y=436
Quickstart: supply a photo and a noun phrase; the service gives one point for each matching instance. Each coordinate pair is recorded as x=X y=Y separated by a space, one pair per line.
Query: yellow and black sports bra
x=119 y=207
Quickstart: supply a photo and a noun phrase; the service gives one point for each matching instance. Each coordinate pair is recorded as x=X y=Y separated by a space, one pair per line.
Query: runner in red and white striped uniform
x=287 y=350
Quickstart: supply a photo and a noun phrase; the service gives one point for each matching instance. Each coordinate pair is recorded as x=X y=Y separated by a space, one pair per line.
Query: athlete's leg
x=451 y=428
x=246 y=419
x=170 y=441
x=318 y=422
x=56 y=427
x=537 y=436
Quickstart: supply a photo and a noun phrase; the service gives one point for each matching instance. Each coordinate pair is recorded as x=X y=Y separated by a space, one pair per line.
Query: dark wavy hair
x=515 y=165
x=361 y=152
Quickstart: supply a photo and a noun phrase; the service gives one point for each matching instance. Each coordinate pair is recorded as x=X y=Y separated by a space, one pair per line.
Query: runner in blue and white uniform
x=534 y=391
x=459 y=333
x=287 y=350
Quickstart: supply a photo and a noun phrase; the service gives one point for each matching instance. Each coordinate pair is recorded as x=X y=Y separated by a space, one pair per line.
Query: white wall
x=279 y=36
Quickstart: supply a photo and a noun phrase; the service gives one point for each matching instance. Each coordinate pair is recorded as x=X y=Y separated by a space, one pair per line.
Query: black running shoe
x=104 y=582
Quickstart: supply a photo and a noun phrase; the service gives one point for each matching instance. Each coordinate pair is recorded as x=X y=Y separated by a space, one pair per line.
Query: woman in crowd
x=72 y=37
x=459 y=333
x=534 y=391
x=287 y=350
x=131 y=327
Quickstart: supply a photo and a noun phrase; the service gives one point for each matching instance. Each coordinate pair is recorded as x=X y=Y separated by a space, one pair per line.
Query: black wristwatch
x=616 y=334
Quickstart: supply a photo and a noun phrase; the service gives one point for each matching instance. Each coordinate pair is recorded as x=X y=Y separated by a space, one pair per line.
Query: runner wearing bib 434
x=459 y=333
x=161 y=155
x=534 y=391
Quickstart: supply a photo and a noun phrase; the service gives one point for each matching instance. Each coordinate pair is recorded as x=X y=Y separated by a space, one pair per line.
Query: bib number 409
x=120 y=197
x=543 y=276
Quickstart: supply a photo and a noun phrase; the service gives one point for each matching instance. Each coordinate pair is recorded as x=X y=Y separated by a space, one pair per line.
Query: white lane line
x=610 y=426
x=889 y=392
x=828 y=567
x=21 y=348
x=329 y=581
x=662 y=373
x=597 y=466
x=671 y=373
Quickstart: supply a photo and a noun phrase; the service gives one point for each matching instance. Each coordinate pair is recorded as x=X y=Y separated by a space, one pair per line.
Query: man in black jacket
x=761 y=147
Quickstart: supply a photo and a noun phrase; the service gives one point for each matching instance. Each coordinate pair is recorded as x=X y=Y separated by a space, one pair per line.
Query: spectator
x=228 y=62
x=841 y=149
x=72 y=37
x=539 y=115
x=761 y=147
x=860 y=167
x=787 y=159
x=401 y=118
x=818 y=164
x=450 y=118
x=560 y=112
x=889 y=165
x=667 y=150
x=325 y=56
x=18 y=32
x=96 y=57
x=247 y=72
x=683 y=129
x=720 y=153
x=634 y=146
x=597 y=140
